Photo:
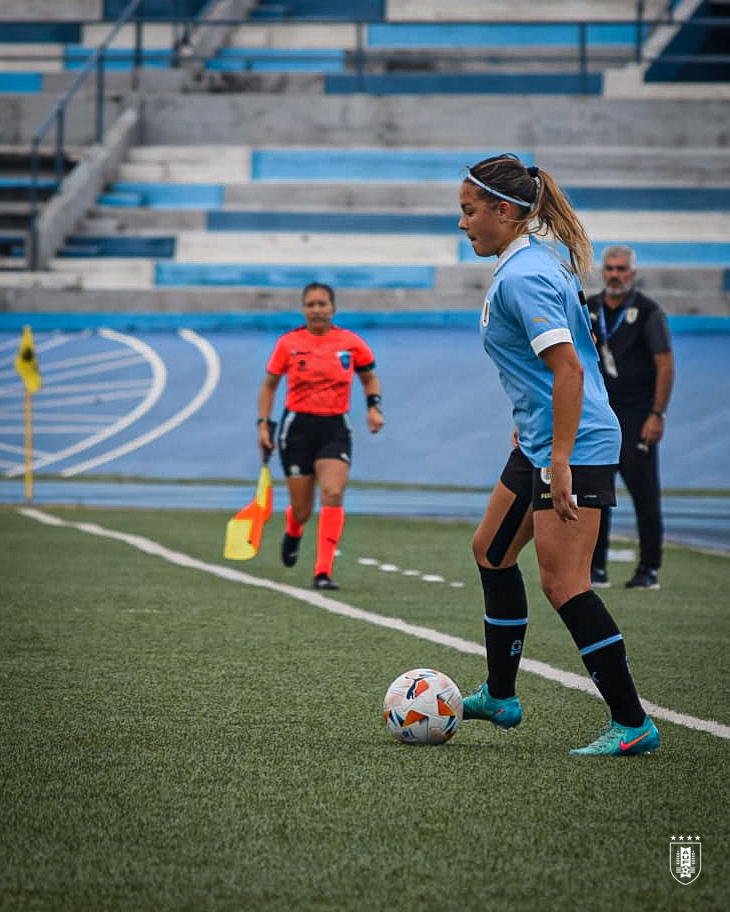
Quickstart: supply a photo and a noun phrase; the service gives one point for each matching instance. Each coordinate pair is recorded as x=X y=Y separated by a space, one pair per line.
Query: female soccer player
x=315 y=441
x=535 y=326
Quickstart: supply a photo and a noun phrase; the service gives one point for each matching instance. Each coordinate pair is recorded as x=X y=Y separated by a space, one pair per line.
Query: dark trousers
x=639 y=468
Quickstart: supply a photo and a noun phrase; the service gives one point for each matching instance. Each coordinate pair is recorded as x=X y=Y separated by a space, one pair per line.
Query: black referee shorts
x=304 y=438
x=593 y=486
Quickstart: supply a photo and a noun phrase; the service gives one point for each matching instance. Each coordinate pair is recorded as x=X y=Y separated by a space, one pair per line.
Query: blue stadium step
x=318 y=9
x=155 y=9
x=362 y=165
x=20 y=83
x=90 y=246
x=651 y=199
x=163 y=196
x=497 y=35
x=12 y=245
x=465 y=83
x=649 y=253
x=222 y=274
x=77 y=56
x=352 y=222
x=239 y=60
x=35 y=32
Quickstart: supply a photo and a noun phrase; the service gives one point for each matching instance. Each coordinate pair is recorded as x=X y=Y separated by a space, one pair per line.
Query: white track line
x=154 y=391
x=213 y=370
x=565 y=678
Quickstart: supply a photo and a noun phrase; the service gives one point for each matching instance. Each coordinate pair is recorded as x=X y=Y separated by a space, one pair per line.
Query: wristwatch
x=662 y=415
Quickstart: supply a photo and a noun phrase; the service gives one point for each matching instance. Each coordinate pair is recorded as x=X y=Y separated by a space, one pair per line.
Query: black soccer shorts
x=593 y=486
x=304 y=438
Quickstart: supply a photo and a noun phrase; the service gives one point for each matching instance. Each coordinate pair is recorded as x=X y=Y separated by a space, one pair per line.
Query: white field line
x=212 y=375
x=157 y=385
x=564 y=678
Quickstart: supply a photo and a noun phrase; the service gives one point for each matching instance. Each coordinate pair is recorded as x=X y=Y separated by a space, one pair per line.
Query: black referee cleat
x=289 y=549
x=322 y=581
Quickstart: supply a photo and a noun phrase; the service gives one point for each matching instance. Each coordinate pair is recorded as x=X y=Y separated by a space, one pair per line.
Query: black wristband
x=373 y=400
x=661 y=415
x=261 y=421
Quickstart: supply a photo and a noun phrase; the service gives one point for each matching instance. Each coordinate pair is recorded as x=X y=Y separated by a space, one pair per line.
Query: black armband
x=373 y=399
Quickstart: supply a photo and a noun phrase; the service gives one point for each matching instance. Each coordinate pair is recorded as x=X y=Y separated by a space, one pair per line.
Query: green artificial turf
x=174 y=740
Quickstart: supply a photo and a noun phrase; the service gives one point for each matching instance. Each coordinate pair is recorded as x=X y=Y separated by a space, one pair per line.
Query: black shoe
x=644 y=578
x=289 y=549
x=599 y=578
x=322 y=581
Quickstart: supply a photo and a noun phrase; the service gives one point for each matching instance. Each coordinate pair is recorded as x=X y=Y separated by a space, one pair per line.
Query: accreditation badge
x=607 y=359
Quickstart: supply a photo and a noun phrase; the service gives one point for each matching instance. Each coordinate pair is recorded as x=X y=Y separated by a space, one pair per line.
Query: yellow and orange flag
x=26 y=362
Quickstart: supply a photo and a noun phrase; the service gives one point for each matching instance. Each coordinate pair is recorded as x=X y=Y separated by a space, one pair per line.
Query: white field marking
x=154 y=391
x=178 y=558
x=94 y=363
x=212 y=375
x=86 y=399
x=623 y=555
x=46 y=345
x=8 y=447
x=47 y=430
x=121 y=360
x=393 y=568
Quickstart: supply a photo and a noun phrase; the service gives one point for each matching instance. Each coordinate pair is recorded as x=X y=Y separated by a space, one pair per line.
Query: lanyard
x=605 y=335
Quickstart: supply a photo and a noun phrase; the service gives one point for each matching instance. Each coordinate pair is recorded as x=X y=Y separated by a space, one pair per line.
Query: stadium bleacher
x=236 y=197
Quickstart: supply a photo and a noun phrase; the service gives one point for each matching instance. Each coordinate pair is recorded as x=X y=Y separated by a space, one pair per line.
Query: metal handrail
x=58 y=117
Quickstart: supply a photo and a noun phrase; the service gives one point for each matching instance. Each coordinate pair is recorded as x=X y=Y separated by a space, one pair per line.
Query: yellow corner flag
x=26 y=363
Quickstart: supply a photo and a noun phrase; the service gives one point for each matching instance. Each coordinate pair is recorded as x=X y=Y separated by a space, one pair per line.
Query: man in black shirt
x=635 y=350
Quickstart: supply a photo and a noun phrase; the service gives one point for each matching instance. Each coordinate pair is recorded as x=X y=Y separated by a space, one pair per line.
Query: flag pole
x=26 y=364
x=28 y=446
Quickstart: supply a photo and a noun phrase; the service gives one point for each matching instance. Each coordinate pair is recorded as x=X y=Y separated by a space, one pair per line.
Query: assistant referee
x=320 y=361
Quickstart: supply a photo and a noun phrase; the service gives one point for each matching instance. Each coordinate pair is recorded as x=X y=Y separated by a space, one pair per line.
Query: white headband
x=510 y=199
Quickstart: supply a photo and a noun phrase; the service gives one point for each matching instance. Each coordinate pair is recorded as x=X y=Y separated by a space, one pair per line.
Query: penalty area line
x=334 y=606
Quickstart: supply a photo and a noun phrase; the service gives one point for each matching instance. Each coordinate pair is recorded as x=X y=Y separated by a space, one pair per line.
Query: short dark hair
x=326 y=288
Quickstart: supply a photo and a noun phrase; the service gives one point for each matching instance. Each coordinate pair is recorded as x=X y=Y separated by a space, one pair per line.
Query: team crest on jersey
x=631 y=314
x=545 y=475
x=685 y=858
x=485 y=312
x=344 y=357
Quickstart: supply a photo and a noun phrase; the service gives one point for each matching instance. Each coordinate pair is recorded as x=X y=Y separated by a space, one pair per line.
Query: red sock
x=293 y=528
x=331 y=523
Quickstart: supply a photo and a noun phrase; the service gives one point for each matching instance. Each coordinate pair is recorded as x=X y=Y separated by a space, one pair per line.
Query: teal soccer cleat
x=482 y=705
x=622 y=741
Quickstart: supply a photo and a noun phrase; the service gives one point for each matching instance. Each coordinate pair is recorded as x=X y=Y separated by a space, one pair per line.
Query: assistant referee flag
x=26 y=362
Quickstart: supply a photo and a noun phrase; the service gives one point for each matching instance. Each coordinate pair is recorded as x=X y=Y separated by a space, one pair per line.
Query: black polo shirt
x=634 y=333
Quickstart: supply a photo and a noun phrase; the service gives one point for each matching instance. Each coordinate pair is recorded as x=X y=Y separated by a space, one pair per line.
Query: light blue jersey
x=532 y=304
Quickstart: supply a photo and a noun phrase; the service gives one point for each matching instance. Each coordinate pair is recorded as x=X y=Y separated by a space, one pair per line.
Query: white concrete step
x=314 y=249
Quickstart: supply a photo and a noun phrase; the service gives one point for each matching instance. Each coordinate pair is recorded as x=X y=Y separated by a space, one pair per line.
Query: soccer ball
x=423 y=706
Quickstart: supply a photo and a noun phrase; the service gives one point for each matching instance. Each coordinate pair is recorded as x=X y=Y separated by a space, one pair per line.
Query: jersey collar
x=518 y=244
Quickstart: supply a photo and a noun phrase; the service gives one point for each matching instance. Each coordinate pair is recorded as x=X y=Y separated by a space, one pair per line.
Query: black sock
x=602 y=649
x=505 y=624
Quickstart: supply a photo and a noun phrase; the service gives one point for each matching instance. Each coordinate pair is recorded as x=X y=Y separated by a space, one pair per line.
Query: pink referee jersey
x=319 y=369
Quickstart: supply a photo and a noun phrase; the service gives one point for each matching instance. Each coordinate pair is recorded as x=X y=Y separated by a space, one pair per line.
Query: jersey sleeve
x=538 y=303
x=363 y=356
x=656 y=333
x=279 y=360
